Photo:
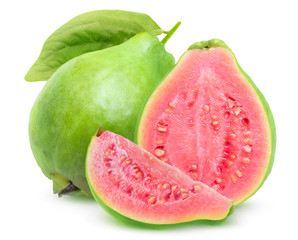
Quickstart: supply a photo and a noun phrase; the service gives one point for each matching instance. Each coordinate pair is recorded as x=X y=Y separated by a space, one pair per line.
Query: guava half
x=131 y=183
x=209 y=119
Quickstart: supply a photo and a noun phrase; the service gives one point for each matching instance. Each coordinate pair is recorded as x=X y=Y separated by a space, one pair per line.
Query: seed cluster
x=162 y=130
x=156 y=192
x=231 y=167
x=161 y=193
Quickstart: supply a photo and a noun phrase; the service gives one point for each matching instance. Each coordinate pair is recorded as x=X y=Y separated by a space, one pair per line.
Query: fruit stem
x=68 y=189
x=170 y=33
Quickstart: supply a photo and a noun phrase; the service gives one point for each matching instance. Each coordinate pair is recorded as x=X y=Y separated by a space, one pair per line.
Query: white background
x=263 y=36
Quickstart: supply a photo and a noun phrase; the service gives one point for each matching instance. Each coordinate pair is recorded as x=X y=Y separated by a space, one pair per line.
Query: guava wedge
x=209 y=119
x=128 y=181
x=107 y=87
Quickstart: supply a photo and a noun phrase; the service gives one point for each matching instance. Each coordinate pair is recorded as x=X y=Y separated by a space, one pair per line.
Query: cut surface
x=207 y=119
x=134 y=183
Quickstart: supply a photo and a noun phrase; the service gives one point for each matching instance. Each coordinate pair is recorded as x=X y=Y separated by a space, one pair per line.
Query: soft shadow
x=241 y=210
x=120 y=221
x=246 y=207
x=231 y=220
x=128 y=223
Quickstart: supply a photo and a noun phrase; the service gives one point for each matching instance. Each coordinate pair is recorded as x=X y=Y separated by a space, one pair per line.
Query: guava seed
x=128 y=162
x=247 y=149
x=247 y=133
x=152 y=200
x=237 y=111
x=231 y=103
x=159 y=141
x=218 y=180
x=206 y=108
x=172 y=105
x=139 y=175
x=233 y=178
x=214 y=116
x=164 y=159
x=214 y=123
x=194 y=167
x=197 y=188
x=162 y=129
x=239 y=174
x=233 y=135
x=184 y=196
x=159 y=152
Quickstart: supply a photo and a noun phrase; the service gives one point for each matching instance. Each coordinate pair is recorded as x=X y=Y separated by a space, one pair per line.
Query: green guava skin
x=106 y=88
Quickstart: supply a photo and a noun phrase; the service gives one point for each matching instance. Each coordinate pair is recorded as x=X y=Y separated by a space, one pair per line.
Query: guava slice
x=208 y=119
x=127 y=180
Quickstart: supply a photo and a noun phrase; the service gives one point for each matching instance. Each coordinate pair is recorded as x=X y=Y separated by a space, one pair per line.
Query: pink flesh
x=125 y=177
x=204 y=116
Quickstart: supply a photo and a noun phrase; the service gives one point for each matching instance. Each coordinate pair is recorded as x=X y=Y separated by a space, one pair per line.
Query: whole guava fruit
x=108 y=88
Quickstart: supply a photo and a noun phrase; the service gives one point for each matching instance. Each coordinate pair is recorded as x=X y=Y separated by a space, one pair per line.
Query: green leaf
x=88 y=32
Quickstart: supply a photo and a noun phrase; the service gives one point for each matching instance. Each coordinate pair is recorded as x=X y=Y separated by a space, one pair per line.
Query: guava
x=107 y=88
x=209 y=119
x=131 y=183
